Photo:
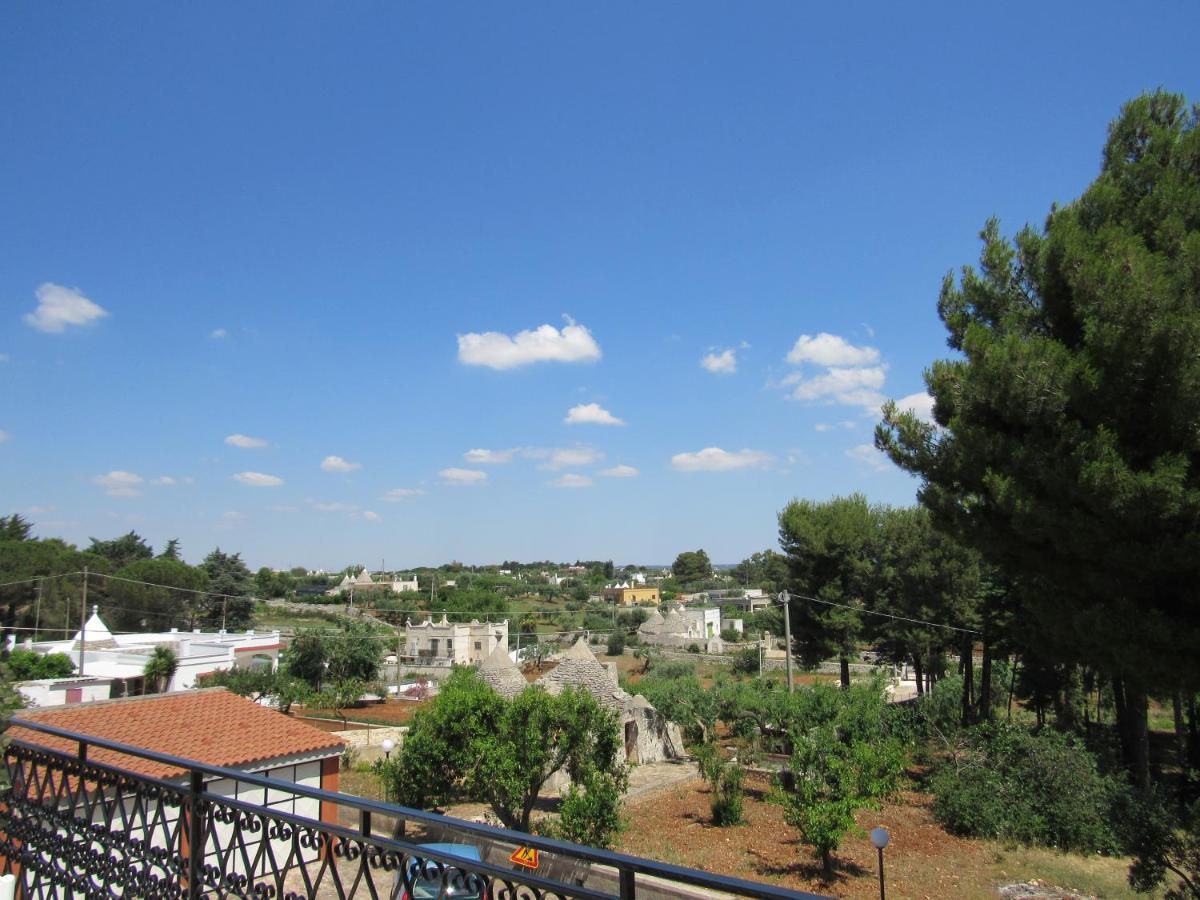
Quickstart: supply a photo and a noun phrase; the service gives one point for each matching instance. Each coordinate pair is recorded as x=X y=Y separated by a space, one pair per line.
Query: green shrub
x=590 y=815
x=725 y=779
x=1013 y=784
x=693 y=648
x=616 y=643
x=730 y=635
x=746 y=661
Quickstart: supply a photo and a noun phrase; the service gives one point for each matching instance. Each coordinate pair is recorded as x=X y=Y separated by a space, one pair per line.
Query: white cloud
x=245 y=441
x=488 y=457
x=463 y=476
x=569 y=480
x=621 y=471
x=850 y=387
x=59 y=307
x=830 y=350
x=395 y=495
x=3 y=435
x=4 y=357
x=232 y=518
x=822 y=426
x=591 y=414
x=41 y=510
x=572 y=344
x=333 y=506
x=218 y=334
x=257 y=479
x=870 y=456
x=568 y=457
x=714 y=459
x=164 y=481
x=120 y=484
x=921 y=404
x=723 y=363
x=371 y=516
x=337 y=464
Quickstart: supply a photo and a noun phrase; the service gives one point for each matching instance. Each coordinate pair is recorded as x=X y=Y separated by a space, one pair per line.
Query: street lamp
x=389 y=745
x=879 y=838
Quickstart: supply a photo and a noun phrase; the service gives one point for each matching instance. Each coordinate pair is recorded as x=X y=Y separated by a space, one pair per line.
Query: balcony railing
x=71 y=827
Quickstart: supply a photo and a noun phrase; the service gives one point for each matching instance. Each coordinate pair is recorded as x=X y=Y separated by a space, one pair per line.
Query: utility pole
x=224 y=607
x=83 y=622
x=37 y=610
x=785 y=599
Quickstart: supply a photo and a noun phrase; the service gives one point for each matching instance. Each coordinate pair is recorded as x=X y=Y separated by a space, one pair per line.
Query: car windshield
x=460 y=885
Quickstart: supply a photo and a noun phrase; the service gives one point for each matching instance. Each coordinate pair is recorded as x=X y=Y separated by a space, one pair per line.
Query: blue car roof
x=462 y=851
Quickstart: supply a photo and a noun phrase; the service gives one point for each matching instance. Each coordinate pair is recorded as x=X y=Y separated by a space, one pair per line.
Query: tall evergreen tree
x=230 y=585
x=1067 y=438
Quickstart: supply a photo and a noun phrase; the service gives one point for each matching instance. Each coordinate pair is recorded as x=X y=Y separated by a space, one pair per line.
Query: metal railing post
x=628 y=885
x=195 y=834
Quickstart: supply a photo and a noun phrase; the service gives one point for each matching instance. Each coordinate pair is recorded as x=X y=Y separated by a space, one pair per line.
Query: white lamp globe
x=388 y=745
x=879 y=837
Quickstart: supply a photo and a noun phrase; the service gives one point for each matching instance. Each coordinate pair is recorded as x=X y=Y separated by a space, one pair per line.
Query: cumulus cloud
x=714 y=459
x=164 y=481
x=723 y=363
x=621 y=471
x=853 y=375
x=372 y=516
x=567 y=457
x=830 y=350
x=591 y=414
x=921 y=404
x=60 y=307
x=463 y=477
x=120 y=484
x=483 y=457
x=870 y=456
x=218 y=334
x=573 y=343
x=337 y=464
x=245 y=441
x=395 y=495
x=257 y=479
x=570 y=480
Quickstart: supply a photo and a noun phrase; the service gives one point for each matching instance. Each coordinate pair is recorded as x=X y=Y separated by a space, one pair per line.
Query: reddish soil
x=923 y=860
x=390 y=712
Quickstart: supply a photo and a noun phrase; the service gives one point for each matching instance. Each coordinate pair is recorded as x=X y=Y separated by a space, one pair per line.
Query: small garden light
x=879 y=839
x=389 y=745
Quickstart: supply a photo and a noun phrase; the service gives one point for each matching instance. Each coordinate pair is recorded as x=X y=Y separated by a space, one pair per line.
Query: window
x=478 y=645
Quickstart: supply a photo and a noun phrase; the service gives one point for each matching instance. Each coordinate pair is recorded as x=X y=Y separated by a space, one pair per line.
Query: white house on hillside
x=448 y=642
x=109 y=666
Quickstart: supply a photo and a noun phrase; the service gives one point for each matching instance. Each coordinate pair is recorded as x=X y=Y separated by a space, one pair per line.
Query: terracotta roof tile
x=210 y=726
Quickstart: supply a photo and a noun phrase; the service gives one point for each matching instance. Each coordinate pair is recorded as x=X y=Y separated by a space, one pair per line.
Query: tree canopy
x=1066 y=437
x=691 y=565
x=471 y=742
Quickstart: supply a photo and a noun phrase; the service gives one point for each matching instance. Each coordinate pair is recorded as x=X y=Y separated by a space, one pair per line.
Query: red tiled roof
x=210 y=726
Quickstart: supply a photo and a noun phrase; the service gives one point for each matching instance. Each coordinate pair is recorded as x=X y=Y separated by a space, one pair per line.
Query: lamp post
x=879 y=838
x=389 y=745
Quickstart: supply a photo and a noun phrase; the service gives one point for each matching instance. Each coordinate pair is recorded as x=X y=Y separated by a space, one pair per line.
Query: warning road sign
x=525 y=856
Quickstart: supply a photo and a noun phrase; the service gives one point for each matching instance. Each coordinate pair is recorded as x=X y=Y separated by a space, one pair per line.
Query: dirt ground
x=390 y=712
x=922 y=860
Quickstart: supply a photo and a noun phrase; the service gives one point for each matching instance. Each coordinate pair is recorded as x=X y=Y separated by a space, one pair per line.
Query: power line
x=39 y=578
x=875 y=612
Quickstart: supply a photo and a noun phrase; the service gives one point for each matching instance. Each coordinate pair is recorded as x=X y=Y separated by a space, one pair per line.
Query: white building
x=682 y=627
x=364 y=582
x=446 y=643
x=102 y=658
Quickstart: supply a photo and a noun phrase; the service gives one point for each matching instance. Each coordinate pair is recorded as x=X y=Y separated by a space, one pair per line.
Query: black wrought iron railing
x=72 y=827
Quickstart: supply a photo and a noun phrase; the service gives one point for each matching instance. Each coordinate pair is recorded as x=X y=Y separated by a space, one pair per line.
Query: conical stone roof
x=578 y=667
x=652 y=625
x=499 y=671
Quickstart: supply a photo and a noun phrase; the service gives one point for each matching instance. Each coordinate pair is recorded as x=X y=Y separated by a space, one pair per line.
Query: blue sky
x=265 y=269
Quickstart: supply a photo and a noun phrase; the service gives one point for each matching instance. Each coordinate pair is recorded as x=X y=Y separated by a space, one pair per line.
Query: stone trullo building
x=649 y=736
x=681 y=627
